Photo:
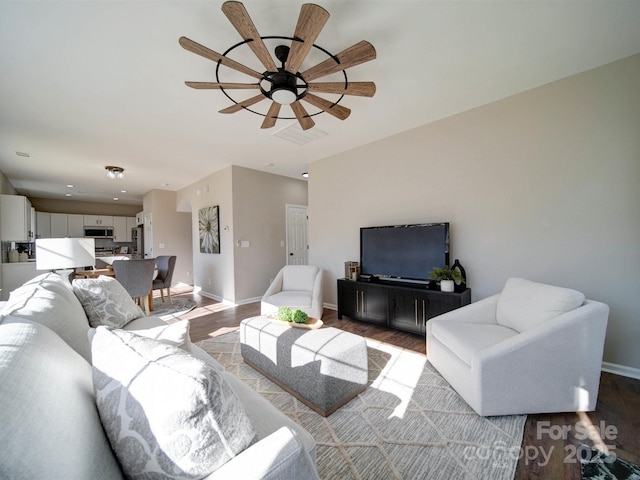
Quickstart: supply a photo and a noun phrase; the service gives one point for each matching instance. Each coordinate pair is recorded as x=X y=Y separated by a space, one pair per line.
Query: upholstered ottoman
x=323 y=368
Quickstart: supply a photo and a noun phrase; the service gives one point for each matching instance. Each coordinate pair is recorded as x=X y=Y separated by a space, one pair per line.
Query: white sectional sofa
x=50 y=424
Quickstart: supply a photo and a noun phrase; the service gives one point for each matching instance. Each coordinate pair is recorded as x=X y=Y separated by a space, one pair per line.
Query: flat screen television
x=404 y=252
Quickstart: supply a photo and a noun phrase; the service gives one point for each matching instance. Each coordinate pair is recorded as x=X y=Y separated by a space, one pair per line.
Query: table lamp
x=65 y=253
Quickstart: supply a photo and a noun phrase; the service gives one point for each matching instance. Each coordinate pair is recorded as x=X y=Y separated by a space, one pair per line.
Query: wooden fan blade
x=306 y=122
x=213 y=85
x=207 y=53
x=272 y=115
x=337 y=111
x=355 y=55
x=246 y=103
x=240 y=19
x=362 y=89
x=311 y=20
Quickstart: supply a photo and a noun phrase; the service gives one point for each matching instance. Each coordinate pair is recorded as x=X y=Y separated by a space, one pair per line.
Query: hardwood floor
x=551 y=442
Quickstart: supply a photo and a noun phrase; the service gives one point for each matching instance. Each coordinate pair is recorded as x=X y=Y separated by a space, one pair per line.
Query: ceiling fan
x=286 y=85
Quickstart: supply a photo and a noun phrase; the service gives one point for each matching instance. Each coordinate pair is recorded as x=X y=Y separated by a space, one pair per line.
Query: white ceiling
x=84 y=84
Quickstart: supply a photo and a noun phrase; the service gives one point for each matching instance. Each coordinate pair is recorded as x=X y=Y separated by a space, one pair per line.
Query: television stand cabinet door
x=363 y=301
x=411 y=308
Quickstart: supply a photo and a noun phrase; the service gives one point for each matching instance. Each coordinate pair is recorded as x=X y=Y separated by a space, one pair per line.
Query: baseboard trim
x=217 y=298
x=249 y=300
x=330 y=306
x=623 y=370
x=199 y=291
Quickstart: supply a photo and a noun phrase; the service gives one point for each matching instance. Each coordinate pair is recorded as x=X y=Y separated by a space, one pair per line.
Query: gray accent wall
x=543 y=185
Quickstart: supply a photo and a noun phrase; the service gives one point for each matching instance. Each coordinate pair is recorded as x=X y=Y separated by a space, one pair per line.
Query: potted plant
x=446 y=277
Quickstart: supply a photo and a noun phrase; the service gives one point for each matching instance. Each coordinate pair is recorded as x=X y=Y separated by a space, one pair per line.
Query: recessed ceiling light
x=123 y=191
x=69 y=186
x=67 y=194
x=115 y=198
x=305 y=175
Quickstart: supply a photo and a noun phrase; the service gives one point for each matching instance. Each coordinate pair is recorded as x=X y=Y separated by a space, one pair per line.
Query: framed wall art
x=209 y=230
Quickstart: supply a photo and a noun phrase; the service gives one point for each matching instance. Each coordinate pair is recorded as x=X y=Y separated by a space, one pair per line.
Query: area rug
x=169 y=311
x=596 y=465
x=408 y=424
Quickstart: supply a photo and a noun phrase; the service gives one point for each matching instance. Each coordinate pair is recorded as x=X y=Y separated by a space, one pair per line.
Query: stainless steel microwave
x=93 y=232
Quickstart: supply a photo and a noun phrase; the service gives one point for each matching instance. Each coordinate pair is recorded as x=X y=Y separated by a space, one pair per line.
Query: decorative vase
x=462 y=286
x=447 y=285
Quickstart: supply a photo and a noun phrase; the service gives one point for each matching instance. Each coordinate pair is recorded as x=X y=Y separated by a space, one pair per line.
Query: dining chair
x=136 y=276
x=165 y=264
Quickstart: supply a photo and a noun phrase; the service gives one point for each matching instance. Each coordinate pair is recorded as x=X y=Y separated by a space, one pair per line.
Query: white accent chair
x=533 y=348
x=295 y=286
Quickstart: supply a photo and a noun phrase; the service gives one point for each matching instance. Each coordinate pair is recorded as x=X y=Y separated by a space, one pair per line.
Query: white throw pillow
x=106 y=302
x=166 y=413
x=174 y=334
x=524 y=304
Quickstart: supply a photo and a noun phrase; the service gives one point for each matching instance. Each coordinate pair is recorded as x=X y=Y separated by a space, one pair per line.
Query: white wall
x=171 y=232
x=212 y=273
x=259 y=201
x=251 y=208
x=544 y=185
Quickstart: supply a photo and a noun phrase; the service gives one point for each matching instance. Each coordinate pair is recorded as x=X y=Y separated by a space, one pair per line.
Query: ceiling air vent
x=294 y=134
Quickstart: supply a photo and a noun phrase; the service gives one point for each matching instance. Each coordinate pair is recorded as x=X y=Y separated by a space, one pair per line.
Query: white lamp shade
x=64 y=253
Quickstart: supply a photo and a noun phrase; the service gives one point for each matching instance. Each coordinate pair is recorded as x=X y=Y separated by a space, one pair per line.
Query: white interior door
x=297 y=245
x=148 y=236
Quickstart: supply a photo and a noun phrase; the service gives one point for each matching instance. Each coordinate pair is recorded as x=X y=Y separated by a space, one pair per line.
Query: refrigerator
x=137 y=242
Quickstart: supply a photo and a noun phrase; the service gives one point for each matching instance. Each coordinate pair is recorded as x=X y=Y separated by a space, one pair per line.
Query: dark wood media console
x=405 y=307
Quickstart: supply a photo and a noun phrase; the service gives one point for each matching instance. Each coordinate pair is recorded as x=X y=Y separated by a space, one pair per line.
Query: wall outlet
x=161 y=245
x=245 y=244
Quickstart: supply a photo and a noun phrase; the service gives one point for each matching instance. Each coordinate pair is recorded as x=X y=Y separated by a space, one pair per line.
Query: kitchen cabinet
x=43 y=225
x=98 y=221
x=59 y=225
x=75 y=225
x=122 y=228
x=131 y=224
x=119 y=229
x=15 y=218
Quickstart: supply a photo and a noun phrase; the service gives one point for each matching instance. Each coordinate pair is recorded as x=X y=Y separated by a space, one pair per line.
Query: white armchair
x=295 y=286
x=533 y=348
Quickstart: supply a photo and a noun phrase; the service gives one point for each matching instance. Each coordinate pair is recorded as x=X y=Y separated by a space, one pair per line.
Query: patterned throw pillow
x=166 y=413
x=106 y=302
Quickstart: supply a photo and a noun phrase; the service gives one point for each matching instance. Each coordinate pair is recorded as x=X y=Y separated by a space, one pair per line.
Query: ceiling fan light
x=283 y=96
x=114 y=172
